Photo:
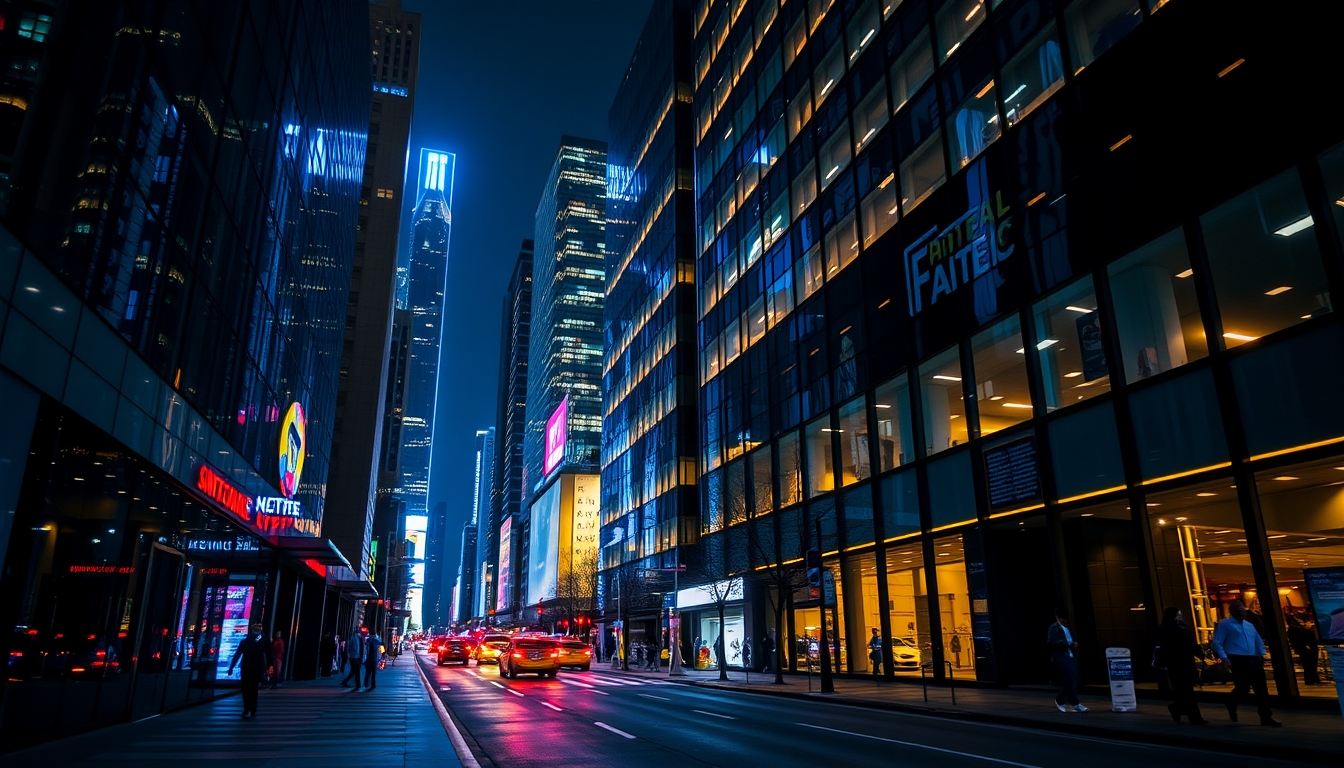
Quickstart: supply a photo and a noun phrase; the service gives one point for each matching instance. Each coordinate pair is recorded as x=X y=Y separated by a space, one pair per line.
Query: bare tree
x=628 y=589
x=576 y=589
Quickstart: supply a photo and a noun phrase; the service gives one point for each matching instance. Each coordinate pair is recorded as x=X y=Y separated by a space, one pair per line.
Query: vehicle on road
x=454 y=649
x=530 y=655
x=576 y=653
x=435 y=642
x=490 y=649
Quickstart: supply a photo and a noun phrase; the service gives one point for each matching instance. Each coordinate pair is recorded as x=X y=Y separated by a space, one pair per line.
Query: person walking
x=1302 y=638
x=327 y=649
x=1241 y=648
x=1176 y=652
x=1063 y=650
x=875 y=652
x=767 y=654
x=278 y=659
x=354 y=655
x=373 y=653
x=255 y=654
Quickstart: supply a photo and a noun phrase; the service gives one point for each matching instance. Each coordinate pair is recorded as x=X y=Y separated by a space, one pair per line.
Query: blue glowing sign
x=389 y=89
x=436 y=172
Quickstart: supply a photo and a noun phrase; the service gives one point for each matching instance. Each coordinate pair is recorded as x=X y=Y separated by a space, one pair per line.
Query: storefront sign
x=102 y=569
x=1011 y=473
x=265 y=514
x=204 y=543
x=1121 y=673
x=730 y=589
x=224 y=493
x=940 y=262
x=293 y=443
x=505 y=564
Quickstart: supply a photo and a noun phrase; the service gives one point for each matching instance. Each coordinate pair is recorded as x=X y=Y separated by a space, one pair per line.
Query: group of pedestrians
x=258 y=661
x=363 y=651
x=1236 y=642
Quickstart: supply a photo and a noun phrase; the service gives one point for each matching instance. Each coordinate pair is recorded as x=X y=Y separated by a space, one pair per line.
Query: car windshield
x=572 y=646
x=535 y=644
x=495 y=639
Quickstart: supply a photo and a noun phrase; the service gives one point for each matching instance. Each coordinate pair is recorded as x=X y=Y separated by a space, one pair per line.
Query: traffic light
x=540 y=610
x=814 y=568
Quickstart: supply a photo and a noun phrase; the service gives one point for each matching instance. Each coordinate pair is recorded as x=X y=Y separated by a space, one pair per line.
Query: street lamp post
x=674 y=623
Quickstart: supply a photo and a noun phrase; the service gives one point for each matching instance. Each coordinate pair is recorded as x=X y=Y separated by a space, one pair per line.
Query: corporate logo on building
x=557 y=434
x=293 y=438
x=265 y=514
x=940 y=262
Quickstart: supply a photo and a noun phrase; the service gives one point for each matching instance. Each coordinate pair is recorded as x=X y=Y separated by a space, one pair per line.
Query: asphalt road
x=594 y=719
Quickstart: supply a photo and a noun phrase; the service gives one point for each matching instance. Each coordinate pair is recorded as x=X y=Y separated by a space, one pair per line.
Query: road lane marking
x=600 y=693
x=475 y=675
x=549 y=705
x=515 y=693
x=920 y=746
x=444 y=688
x=464 y=754
x=713 y=714
x=616 y=731
x=651 y=696
x=497 y=685
x=575 y=682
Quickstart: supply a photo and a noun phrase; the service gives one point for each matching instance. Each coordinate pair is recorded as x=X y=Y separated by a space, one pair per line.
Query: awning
x=308 y=548
x=349 y=582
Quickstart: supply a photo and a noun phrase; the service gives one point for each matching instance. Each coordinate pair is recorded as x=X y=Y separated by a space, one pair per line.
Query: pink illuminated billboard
x=557 y=432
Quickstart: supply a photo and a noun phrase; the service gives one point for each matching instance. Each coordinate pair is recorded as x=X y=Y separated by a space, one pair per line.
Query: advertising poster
x=233 y=629
x=585 y=522
x=557 y=434
x=1120 y=670
x=505 y=564
x=1325 y=589
x=543 y=546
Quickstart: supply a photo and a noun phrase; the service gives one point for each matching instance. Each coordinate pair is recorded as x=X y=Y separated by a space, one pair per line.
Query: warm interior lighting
x=883 y=405
x=941 y=377
x=1231 y=67
x=1017 y=405
x=988 y=87
x=1286 y=477
x=1297 y=226
x=1206 y=493
x=886 y=181
x=1036 y=199
x=1073 y=374
x=1083 y=310
x=1121 y=142
x=1186 y=273
x=996 y=397
x=974 y=11
x=1239 y=337
x=1280 y=289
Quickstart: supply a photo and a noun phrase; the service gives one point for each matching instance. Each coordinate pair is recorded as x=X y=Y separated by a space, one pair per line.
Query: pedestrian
x=1063 y=655
x=255 y=654
x=1176 y=652
x=718 y=651
x=1241 y=648
x=1302 y=638
x=373 y=653
x=746 y=654
x=278 y=659
x=875 y=652
x=354 y=655
x=767 y=654
x=328 y=653
x=654 y=660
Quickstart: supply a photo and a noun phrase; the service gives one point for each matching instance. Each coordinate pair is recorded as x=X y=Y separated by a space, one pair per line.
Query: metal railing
x=951 y=680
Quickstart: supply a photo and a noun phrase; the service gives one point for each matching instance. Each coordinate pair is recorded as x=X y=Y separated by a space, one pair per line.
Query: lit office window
x=870 y=115
x=956 y=21
x=1096 y=25
x=974 y=126
x=816 y=10
x=922 y=172
x=800 y=111
x=1001 y=375
x=1032 y=75
x=944 y=404
x=854 y=461
x=820 y=462
x=1068 y=344
x=828 y=74
x=794 y=41
x=1267 y=270
x=912 y=70
x=862 y=30
x=895 y=435
x=808 y=273
x=1156 y=312
x=764 y=18
x=842 y=245
x=878 y=211
x=790 y=471
x=835 y=155
x=804 y=189
x=762 y=481
x=756 y=321
x=776 y=221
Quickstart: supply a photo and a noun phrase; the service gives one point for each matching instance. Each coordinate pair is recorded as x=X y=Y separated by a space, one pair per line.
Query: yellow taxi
x=530 y=654
x=490 y=649
x=575 y=653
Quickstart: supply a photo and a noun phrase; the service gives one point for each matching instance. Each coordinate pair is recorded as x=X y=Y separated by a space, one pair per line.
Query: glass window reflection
x=1068 y=345
x=1156 y=312
x=1001 y=376
x=944 y=404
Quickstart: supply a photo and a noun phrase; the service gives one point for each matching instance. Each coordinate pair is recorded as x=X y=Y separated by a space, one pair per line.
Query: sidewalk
x=1308 y=735
x=301 y=724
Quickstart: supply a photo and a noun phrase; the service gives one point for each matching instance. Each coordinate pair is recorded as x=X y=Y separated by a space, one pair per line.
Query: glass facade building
x=179 y=187
x=649 y=421
x=1010 y=306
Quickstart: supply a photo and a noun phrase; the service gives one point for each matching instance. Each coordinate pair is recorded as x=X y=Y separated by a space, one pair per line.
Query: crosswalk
x=597 y=678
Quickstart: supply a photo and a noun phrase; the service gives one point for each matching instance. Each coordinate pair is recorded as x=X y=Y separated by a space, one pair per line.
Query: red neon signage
x=224 y=493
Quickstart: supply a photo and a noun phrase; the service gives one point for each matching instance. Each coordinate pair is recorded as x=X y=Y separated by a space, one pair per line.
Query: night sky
x=499 y=83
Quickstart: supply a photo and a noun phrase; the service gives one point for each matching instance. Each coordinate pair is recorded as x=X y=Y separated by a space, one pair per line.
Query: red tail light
x=517 y=655
x=554 y=654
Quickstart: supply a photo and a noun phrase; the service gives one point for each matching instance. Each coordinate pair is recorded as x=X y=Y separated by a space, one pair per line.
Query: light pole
x=674 y=622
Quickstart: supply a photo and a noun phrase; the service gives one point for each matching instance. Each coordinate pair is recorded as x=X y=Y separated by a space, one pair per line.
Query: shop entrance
x=157 y=634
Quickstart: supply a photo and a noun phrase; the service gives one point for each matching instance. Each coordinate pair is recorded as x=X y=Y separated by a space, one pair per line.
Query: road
x=602 y=719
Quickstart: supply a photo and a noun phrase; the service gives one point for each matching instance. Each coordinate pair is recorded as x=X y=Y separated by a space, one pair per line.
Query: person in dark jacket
x=254 y=653
x=328 y=654
x=767 y=654
x=1302 y=638
x=1177 y=652
x=1063 y=655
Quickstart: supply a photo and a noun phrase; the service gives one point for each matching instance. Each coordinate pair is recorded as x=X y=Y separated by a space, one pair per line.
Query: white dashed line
x=918 y=745
x=497 y=685
x=714 y=714
x=549 y=705
x=600 y=693
x=651 y=696
x=515 y=693
x=616 y=731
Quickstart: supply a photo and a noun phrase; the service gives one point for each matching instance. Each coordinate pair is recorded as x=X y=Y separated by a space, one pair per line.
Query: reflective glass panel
x=1068 y=344
x=1156 y=312
x=944 y=405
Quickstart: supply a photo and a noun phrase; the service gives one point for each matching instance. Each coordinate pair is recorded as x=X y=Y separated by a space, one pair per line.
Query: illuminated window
x=800 y=111
x=842 y=245
x=794 y=41
x=34 y=26
x=974 y=126
x=1001 y=374
x=1032 y=75
x=1096 y=25
x=956 y=21
x=385 y=194
x=804 y=189
x=862 y=30
x=944 y=405
x=1156 y=312
x=879 y=210
x=911 y=70
x=922 y=172
x=828 y=74
x=870 y=115
x=1068 y=344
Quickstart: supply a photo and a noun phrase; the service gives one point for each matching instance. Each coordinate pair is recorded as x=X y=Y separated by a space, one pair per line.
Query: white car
x=904 y=654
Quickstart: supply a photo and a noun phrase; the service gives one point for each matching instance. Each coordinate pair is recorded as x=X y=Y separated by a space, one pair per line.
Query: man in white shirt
x=1240 y=646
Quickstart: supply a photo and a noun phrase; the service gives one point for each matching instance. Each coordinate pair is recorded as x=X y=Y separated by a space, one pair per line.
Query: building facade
x=464 y=593
x=358 y=428
x=987 y=308
x=650 y=425
x=175 y=258
x=510 y=426
x=482 y=517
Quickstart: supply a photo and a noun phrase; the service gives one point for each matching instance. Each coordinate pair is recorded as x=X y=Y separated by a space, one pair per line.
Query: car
x=529 y=654
x=435 y=642
x=904 y=654
x=575 y=653
x=453 y=649
x=491 y=646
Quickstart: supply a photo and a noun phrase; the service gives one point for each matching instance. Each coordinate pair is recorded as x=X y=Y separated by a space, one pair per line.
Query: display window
x=954 y=604
x=732 y=632
x=908 y=608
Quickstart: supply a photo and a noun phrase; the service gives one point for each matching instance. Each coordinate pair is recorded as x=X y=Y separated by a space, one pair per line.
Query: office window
x=922 y=172
x=974 y=126
x=835 y=155
x=804 y=189
x=944 y=404
x=756 y=320
x=732 y=341
x=771 y=74
x=878 y=210
x=816 y=10
x=790 y=472
x=781 y=299
x=1156 y=312
x=951 y=492
x=912 y=70
x=1032 y=75
x=854 y=461
x=820 y=462
x=1267 y=270
x=862 y=30
x=1096 y=25
x=895 y=431
x=762 y=482
x=774 y=145
x=808 y=273
x=776 y=221
x=842 y=245
x=956 y=21
x=794 y=41
x=1001 y=376
x=1068 y=344
x=870 y=115
x=828 y=74
x=800 y=111
x=764 y=18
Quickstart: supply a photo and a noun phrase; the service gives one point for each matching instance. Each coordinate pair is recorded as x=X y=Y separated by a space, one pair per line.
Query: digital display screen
x=1325 y=588
x=233 y=630
x=505 y=564
x=557 y=434
x=544 y=546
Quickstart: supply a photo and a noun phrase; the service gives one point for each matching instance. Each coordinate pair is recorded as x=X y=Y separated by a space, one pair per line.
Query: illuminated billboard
x=505 y=564
x=557 y=433
x=293 y=434
x=564 y=534
x=543 y=546
x=584 y=523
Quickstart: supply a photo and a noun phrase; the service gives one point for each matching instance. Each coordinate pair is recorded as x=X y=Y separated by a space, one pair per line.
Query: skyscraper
x=510 y=426
x=650 y=424
x=464 y=596
x=395 y=41
x=482 y=517
x=427 y=275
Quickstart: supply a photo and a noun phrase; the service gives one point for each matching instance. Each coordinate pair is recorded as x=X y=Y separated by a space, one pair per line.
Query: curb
x=1275 y=751
x=464 y=754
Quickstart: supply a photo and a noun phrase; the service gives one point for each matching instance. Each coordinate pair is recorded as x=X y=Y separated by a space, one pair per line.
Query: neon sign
x=557 y=434
x=940 y=262
x=293 y=436
x=267 y=514
x=224 y=493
